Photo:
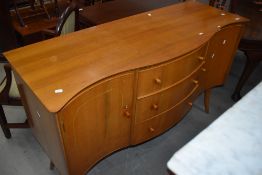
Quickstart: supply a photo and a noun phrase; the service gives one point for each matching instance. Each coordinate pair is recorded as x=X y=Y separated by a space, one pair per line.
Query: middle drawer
x=149 y=106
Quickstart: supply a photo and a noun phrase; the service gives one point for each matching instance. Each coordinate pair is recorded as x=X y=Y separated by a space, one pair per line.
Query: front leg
x=207 y=94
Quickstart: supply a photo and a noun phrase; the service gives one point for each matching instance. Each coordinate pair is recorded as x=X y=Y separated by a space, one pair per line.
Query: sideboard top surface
x=77 y=60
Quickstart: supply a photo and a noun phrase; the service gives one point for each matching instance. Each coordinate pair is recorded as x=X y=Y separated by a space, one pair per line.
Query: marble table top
x=232 y=144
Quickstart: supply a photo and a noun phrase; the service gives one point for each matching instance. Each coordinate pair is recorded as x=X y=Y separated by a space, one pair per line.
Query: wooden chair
x=42 y=10
x=220 y=4
x=9 y=95
x=67 y=22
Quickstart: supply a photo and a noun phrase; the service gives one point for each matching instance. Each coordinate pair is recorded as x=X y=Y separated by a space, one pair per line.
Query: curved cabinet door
x=97 y=122
x=220 y=54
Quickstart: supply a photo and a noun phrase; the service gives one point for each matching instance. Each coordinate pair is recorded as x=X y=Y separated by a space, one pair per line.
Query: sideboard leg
x=52 y=165
x=207 y=94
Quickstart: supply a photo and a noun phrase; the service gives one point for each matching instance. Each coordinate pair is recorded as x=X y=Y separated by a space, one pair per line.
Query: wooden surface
x=223 y=46
x=124 y=82
x=78 y=60
x=44 y=127
x=113 y=10
x=102 y=111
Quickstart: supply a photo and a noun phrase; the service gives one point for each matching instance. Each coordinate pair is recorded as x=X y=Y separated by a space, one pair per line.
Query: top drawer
x=154 y=79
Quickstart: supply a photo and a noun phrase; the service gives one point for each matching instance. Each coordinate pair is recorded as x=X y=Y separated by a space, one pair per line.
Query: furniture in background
x=8 y=91
x=67 y=22
x=7 y=33
x=42 y=10
x=122 y=83
x=230 y=145
x=9 y=95
x=92 y=2
x=117 y=9
x=251 y=43
x=31 y=33
x=220 y=4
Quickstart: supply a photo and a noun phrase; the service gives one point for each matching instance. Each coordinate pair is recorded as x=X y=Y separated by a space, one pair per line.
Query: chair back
x=67 y=21
x=69 y=25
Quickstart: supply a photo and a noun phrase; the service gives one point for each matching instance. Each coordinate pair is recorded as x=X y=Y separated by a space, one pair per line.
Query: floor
x=22 y=155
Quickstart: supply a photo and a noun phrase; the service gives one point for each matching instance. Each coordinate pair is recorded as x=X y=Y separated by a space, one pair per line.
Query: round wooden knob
x=201 y=58
x=158 y=81
x=127 y=114
x=151 y=129
x=190 y=104
x=155 y=106
x=203 y=69
x=195 y=81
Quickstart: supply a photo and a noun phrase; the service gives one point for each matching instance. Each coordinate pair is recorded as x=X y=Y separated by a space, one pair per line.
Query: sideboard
x=95 y=91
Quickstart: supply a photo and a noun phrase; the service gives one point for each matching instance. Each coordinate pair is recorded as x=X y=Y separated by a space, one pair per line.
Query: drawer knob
x=151 y=129
x=127 y=114
x=158 y=81
x=203 y=69
x=195 y=81
x=190 y=104
x=201 y=58
x=155 y=106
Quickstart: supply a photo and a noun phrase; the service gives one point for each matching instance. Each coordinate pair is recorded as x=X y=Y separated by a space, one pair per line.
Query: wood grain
x=222 y=47
x=124 y=82
x=157 y=78
x=78 y=60
x=44 y=126
x=96 y=122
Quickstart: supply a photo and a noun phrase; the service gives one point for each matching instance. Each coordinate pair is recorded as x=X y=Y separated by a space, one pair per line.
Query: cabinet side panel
x=97 y=122
x=44 y=127
x=220 y=54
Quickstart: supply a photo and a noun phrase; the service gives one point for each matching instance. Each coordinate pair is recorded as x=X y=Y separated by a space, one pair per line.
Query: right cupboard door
x=221 y=51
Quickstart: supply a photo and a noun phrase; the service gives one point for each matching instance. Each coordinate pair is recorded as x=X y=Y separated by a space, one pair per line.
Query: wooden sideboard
x=92 y=92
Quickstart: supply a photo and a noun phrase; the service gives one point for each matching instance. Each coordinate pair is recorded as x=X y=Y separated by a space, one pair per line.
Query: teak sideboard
x=92 y=92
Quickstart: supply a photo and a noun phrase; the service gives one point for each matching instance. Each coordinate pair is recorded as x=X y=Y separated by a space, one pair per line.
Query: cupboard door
x=221 y=51
x=97 y=122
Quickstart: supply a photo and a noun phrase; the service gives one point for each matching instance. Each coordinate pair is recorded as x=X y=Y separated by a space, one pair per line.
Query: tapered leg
x=251 y=63
x=207 y=94
x=3 y=123
x=52 y=165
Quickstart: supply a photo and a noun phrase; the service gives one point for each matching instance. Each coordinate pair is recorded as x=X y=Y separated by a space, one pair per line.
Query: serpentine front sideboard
x=92 y=92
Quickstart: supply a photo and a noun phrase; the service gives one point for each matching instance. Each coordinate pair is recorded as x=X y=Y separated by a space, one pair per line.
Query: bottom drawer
x=160 y=123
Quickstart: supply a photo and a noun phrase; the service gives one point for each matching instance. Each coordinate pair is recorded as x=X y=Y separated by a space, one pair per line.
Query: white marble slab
x=232 y=144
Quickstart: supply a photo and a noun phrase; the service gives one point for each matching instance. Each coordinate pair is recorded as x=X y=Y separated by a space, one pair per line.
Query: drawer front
x=160 y=123
x=153 y=105
x=154 y=79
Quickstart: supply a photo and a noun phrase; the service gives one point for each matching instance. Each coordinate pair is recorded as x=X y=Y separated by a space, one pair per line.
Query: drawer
x=160 y=123
x=159 y=77
x=148 y=107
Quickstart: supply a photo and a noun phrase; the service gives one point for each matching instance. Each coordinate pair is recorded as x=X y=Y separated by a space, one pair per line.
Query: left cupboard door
x=97 y=122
